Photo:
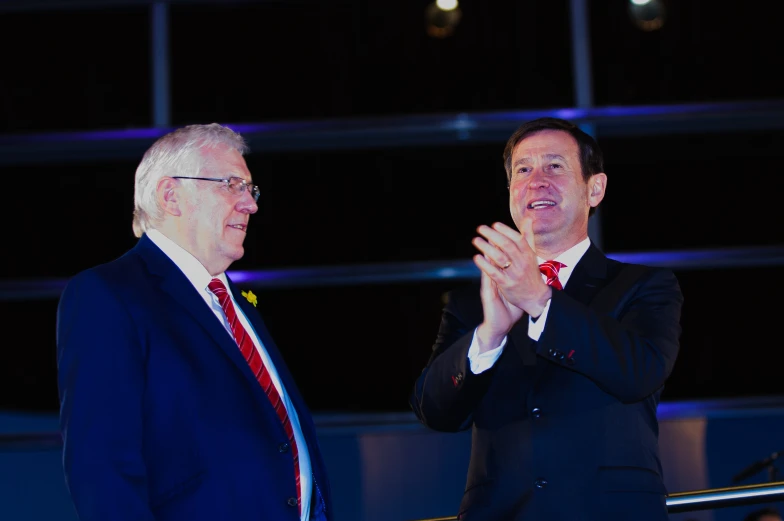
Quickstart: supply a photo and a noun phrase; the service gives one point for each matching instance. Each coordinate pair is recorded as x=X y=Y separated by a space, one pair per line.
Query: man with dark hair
x=557 y=361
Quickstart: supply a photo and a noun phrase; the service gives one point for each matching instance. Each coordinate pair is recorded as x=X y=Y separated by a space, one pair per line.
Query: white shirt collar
x=570 y=258
x=196 y=273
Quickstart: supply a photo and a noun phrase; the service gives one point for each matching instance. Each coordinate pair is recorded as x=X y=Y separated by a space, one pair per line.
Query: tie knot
x=550 y=270
x=549 y=266
x=217 y=287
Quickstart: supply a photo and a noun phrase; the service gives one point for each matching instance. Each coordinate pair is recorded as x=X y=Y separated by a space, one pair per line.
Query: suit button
x=540 y=483
x=292 y=501
x=570 y=360
x=536 y=412
x=551 y=351
x=283 y=447
x=561 y=356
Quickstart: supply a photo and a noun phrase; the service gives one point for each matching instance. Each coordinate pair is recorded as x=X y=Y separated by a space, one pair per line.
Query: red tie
x=550 y=270
x=253 y=358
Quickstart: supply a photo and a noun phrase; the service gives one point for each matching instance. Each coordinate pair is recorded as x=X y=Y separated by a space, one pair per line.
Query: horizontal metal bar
x=344 y=422
x=30 y=442
x=411 y=130
x=724 y=497
x=67 y=5
x=408 y=272
x=708 y=499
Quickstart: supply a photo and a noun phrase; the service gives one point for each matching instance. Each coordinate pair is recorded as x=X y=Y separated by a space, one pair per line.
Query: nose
x=247 y=204
x=538 y=179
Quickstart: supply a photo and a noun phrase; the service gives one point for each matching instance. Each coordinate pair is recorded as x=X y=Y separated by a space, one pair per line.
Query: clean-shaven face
x=547 y=185
x=217 y=219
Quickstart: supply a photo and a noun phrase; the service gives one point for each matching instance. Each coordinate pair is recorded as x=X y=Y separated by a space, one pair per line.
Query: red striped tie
x=253 y=358
x=550 y=270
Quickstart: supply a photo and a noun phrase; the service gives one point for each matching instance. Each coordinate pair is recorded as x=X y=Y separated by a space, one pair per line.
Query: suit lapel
x=254 y=318
x=588 y=277
x=174 y=282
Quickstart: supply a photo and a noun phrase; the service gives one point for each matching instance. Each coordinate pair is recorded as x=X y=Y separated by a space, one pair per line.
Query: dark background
x=360 y=348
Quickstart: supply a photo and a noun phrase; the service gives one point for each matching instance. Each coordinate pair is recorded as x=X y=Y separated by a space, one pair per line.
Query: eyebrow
x=547 y=157
x=234 y=175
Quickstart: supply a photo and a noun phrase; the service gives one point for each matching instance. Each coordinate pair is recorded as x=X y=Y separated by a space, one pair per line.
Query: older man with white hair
x=176 y=405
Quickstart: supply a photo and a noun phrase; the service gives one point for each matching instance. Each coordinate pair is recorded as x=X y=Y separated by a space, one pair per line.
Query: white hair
x=177 y=153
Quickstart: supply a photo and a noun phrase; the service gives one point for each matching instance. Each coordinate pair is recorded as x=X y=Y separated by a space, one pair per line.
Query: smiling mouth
x=242 y=227
x=537 y=205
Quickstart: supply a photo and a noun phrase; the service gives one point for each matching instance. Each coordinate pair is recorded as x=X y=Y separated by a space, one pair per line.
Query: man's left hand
x=510 y=260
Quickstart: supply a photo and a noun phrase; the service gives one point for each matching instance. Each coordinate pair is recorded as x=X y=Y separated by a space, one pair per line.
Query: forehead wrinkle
x=224 y=160
x=546 y=157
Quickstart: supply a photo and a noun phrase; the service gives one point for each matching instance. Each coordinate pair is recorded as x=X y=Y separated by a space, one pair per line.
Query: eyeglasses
x=236 y=185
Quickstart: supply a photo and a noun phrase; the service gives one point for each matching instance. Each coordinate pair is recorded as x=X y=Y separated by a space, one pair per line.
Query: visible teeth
x=540 y=204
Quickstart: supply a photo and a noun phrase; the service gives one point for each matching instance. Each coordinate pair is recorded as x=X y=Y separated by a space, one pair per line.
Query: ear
x=597 y=185
x=168 y=195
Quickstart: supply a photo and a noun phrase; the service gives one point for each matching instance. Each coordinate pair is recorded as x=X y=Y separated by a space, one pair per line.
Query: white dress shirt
x=200 y=278
x=481 y=362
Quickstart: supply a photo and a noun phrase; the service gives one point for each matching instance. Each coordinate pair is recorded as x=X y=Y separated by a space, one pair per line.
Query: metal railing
x=677 y=502
x=415 y=272
x=708 y=499
x=418 y=130
x=39 y=441
x=711 y=498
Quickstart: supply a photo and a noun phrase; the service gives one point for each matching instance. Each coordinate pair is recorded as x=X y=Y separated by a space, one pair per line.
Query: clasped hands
x=511 y=282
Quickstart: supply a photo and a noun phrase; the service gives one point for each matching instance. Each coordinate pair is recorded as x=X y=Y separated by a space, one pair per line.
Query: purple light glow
x=721 y=408
x=98 y=135
x=256 y=276
x=412 y=272
x=464 y=120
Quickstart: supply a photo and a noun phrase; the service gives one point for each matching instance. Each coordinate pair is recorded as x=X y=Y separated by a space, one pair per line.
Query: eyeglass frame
x=254 y=192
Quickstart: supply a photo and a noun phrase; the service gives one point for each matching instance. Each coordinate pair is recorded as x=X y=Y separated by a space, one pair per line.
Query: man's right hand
x=499 y=315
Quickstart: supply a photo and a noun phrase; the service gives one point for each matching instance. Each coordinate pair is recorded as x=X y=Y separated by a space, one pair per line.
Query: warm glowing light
x=441 y=18
x=448 y=5
x=648 y=15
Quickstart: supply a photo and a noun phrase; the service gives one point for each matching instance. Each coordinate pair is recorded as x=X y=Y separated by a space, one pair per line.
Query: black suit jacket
x=564 y=428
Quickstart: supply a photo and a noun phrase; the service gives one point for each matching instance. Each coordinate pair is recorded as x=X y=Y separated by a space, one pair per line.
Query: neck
x=549 y=251
x=214 y=267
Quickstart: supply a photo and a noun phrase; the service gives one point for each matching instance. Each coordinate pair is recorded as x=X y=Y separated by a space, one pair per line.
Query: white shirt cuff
x=481 y=362
x=535 y=328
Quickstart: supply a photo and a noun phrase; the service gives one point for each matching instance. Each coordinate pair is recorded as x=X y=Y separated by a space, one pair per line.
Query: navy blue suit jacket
x=563 y=428
x=161 y=416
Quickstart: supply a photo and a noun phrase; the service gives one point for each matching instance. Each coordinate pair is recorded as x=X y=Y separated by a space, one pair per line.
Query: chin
x=234 y=253
x=542 y=227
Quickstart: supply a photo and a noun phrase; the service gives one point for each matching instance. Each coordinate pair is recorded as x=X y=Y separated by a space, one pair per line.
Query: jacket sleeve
x=630 y=351
x=101 y=384
x=447 y=392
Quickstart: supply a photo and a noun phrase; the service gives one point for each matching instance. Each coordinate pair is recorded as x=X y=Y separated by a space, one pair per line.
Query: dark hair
x=591 y=157
x=757 y=514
